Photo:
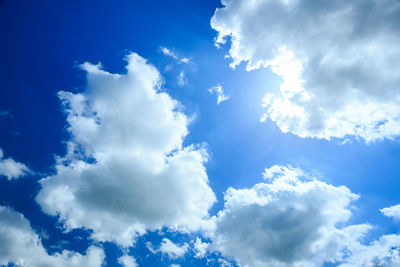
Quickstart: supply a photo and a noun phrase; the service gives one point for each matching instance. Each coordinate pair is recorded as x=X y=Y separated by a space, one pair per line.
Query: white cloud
x=10 y=168
x=224 y=263
x=338 y=61
x=219 y=92
x=200 y=248
x=182 y=79
x=384 y=252
x=184 y=60
x=169 y=248
x=167 y=52
x=393 y=212
x=291 y=221
x=174 y=265
x=126 y=170
x=21 y=246
x=279 y=171
x=170 y=53
x=127 y=261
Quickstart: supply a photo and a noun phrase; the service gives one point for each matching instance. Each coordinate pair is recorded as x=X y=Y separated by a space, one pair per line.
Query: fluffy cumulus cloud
x=10 y=168
x=393 y=212
x=169 y=249
x=127 y=261
x=293 y=220
x=384 y=252
x=126 y=170
x=338 y=61
x=21 y=246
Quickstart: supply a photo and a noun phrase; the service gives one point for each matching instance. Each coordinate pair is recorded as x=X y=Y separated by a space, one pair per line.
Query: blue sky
x=134 y=162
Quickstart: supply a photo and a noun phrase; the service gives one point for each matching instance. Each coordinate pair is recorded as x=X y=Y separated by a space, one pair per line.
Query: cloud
x=224 y=263
x=291 y=221
x=200 y=248
x=10 y=168
x=169 y=248
x=219 y=92
x=393 y=212
x=170 y=53
x=184 y=60
x=338 y=61
x=181 y=79
x=384 y=252
x=19 y=245
x=127 y=261
x=126 y=170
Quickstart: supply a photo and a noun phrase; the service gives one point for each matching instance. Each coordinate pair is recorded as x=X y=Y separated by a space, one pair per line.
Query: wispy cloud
x=182 y=79
x=170 y=53
x=219 y=92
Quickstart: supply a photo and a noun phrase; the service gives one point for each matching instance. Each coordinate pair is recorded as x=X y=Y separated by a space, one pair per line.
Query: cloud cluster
x=126 y=170
x=10 y=168
x=295 y=220
x=338 y=61
x=383 y=252
x=20 y=246
x=200 y=248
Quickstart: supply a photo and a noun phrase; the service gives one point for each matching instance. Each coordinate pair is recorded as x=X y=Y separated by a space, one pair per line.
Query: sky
x=200 y=133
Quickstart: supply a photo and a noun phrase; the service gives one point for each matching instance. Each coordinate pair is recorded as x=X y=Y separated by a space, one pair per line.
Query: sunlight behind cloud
x=336 y=81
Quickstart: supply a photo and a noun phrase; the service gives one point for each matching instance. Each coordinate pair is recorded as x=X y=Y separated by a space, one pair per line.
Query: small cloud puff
x=169 y=248
x=170 y=53
x=219 y=92
x=12 y=169
x=392 y=212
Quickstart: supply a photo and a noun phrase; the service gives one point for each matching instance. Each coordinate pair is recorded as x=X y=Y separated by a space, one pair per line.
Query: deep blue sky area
x=42 y=44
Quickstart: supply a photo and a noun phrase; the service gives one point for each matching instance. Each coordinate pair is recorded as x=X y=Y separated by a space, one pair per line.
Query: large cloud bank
x=295 y=220
x=21 y=246
x=126 y=170
x=339 y=62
